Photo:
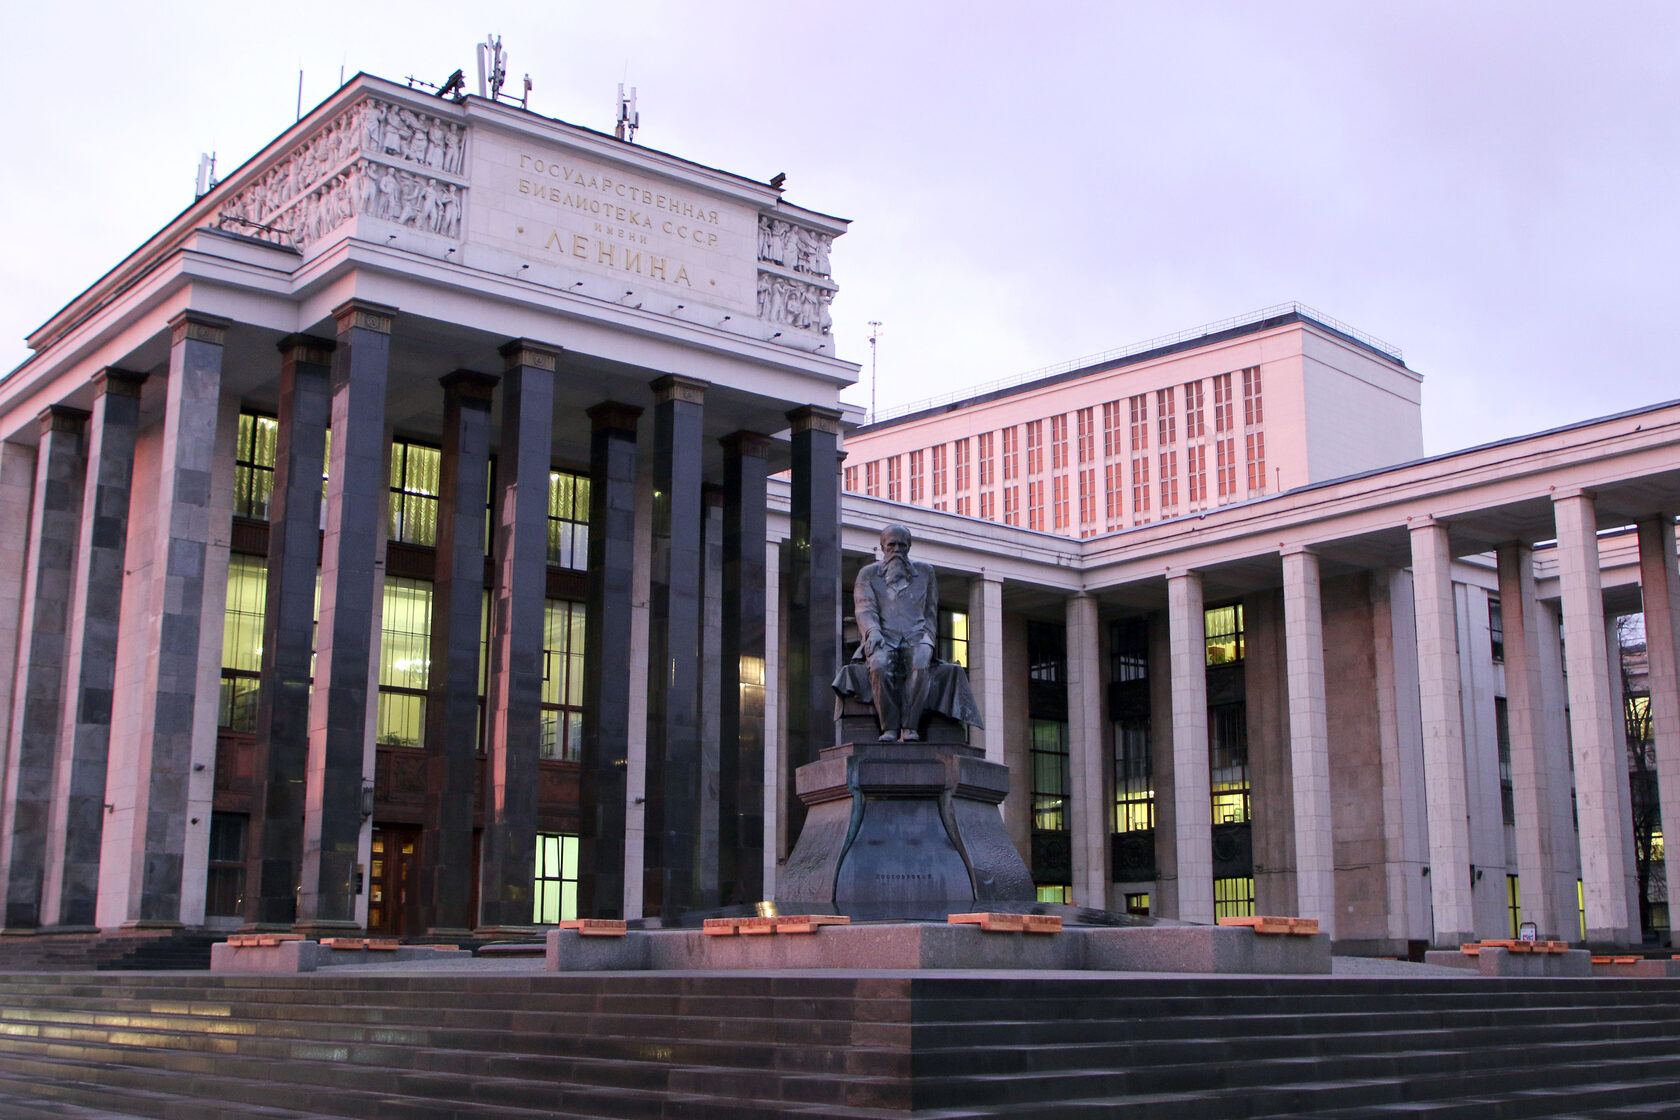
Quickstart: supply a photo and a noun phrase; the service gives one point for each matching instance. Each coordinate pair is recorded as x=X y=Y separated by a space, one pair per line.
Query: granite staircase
x=518 y=1047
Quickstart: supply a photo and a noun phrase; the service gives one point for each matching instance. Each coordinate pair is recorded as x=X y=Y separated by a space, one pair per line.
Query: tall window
x=562 y=691
x=1128 y=650
x=253 y=465
x=1088 y=500
x=851 y=480
x=1139 y=408
x=1140 y=489
x=1166 y=423
x=1046 y=652
x=939 y=476
x=1195 y=473
x=1496 y=628
x=872 y=479
x=895 y=483
x=1011 y=505
x=1059 y=499
x=961 y=457
x=916 y=478
x=1049 y=774
x=1111 y=429
x=1134 y=784
x=242 y=639
x=1513 y=902
x=1035 y=504
x=1224 y=629
x=1035 y=446
x=1194 y=425
x=415 y=471
x=1256 y=448
x=555 y=888
x=1252 y=412
x=568 y=520
x=953 y=637
x=404 y=661
x=1228 y=762
x=1058 y=442
x=985 y=452
x=1502 y=736
x=1223 y=421
x=1112 y=502
x=1225 y=451
x=1011 y=453
x=987 y=510
x=1087 y=434
x=224 y=884
x=1169 y=481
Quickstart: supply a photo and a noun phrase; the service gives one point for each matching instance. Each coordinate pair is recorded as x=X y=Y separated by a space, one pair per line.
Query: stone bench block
x=308 y=956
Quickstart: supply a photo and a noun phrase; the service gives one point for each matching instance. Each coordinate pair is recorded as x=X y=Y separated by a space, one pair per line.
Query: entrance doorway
x=394 y=865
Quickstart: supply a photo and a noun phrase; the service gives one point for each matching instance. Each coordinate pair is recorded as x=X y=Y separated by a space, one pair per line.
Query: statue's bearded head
x=895 y=554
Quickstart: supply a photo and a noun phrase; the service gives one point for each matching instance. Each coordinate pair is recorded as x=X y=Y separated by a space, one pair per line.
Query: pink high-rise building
x=1176 y=426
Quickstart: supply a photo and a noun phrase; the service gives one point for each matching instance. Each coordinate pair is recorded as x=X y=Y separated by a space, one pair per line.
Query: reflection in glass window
x=1228 y=762
x=1233 y=898
x=1049 y=762
x=1224 y=629
x=568 y=520
x=1134 y=787
x=415 y=475
x=953 y=637
x=253 y=465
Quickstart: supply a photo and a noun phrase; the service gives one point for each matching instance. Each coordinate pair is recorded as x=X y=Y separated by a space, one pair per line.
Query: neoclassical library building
x=446 y=525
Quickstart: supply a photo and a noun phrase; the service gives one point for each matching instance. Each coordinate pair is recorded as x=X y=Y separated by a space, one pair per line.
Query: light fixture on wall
x=367 y=800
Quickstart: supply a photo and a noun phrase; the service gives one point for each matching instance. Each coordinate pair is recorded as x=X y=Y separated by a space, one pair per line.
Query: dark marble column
x=352 y=597
x=97 y=599
x=446 y=867
x=741 y=687
x=507 y=867
x=606 y=661
x=813 y=630
x=711 y=699
x=179 y=551
x=671 y=861
x=294 y=547
x=54 y=535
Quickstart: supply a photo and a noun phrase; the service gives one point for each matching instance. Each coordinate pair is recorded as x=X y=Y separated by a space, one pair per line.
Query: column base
x=152 y=923
x=318 y=930
x=455 y=933
x=506 y=931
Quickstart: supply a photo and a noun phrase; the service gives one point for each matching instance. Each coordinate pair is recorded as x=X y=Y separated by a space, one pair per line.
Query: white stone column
x=1192 y=805
x=1659 y=586
x=773 y=721
x=985 y=660
x=1536 y=765
x=1600 y=761
x=1624 y=792
x=17 y=493
x=1089 y=823
x=1443 y=735
x=1309 y=740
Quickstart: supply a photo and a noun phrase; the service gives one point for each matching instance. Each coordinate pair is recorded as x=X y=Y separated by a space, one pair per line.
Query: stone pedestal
x=902 y=830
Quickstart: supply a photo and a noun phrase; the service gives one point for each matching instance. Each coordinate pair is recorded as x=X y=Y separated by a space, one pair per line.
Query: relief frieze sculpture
x=376 y=159
x=794 y=284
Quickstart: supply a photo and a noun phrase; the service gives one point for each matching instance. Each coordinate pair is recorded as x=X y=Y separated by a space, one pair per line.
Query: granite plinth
x=914 y=945
x=1494 y=961
x=308 y=956
x=902 y=831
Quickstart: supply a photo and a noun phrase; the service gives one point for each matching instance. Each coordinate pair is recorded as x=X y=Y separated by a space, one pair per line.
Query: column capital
x=197 y=327
x=1180 y=575
x=1425 y=521
x=61 y=418
x=518 y=352
x=750 y=445
x=613 y=415
x=118 y=382
x=360 y=313
x=1574 y=492
x=676 y=387
x=815 y=418
x=1297 y=550
x=470 y=386
x=306 y=348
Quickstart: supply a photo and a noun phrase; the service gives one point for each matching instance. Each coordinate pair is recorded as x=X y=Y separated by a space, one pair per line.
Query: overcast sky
x=1489 y=186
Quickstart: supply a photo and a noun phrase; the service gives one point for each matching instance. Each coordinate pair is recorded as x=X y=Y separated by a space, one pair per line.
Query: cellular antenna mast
x=206 y=174
x=492 y=67
x=874 y=333
x=629 y=117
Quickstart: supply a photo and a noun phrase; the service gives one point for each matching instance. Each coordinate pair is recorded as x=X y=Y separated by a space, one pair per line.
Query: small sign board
x=1528 y=931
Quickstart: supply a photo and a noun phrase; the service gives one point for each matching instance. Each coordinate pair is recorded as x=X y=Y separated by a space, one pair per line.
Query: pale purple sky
x=1491 y=187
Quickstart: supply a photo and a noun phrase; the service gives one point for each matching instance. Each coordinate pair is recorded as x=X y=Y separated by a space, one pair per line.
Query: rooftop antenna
x=874 y=333
x=300 y=94
x=629 y=117
x=492 y=67
x=206 y=174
